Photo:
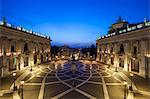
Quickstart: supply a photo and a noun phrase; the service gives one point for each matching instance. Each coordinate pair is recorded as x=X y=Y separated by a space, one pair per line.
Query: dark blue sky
x=72 y=22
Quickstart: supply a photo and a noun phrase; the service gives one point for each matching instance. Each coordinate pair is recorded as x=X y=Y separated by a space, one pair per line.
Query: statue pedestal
x=73 y=68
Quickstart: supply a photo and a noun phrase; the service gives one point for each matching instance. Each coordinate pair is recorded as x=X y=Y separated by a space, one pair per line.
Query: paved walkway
x=90 y=81
x=140 y=84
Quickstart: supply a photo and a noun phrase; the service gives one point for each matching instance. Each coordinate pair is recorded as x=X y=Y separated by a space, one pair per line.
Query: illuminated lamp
x=8 y=54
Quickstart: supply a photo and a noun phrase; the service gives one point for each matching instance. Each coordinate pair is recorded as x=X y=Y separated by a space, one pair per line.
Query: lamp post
x=73 y=83
x=91 y=62
x=125 y=90
x=14 y=74
x=22 y=82
x=31 y=68
x=91 y=58
x=131 y=82
x=116 y=69
x=31 y=65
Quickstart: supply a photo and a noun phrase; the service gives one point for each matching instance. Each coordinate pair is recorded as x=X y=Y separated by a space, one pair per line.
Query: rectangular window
x=135 y=50
x=12 y=48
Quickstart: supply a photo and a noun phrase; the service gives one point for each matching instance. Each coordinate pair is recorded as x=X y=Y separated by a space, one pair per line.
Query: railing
x=23 y=29
x=136 y=27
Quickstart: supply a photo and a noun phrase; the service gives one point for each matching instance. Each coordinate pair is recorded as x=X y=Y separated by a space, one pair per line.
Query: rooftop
x=20 y=28
x=128 y=28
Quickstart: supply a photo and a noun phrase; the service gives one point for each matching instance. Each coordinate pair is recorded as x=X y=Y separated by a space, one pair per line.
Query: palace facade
x=126 y=46
x=20 y=48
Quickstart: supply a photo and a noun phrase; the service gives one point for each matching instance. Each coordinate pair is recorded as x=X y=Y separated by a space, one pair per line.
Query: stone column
x=116 y=56
x=148 y=67
x=21 y=63
x=116 y=60
x=126 y=58
x=98 y=56
x=142 y=64
x=126 y=62
x=98 y=53
x=31 y=60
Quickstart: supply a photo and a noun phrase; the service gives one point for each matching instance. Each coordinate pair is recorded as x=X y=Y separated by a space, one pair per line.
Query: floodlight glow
x=22 y=82
x=14 y=74
x=125 y=82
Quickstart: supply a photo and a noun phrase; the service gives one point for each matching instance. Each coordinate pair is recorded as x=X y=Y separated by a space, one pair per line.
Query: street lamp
x=116 y=69
x=31 y=68
x=31 y=65
x=14 y=74
x=22 y=82
x=131 y=82
x=125 y=90
x=91 y=59
x=73 y=83
x=91 y=62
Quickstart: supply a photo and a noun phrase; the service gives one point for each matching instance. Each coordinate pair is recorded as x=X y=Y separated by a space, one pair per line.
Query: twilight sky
x=72 y=22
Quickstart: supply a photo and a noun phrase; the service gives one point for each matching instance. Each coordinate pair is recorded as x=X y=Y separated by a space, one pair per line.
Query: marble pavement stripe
x=16 y=95
x=62 y=94
x=128 y=80
x=32 y=84
x=114 y=84
x=41 y=93
x=106 y=95
x=85 y=94
x=55 y=82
